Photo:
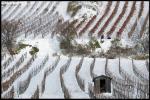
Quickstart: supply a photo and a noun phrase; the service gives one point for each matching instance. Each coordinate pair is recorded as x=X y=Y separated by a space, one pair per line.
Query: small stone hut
x=102 y=84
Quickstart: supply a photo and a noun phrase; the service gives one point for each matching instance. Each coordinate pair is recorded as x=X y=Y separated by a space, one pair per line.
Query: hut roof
x=101 y=77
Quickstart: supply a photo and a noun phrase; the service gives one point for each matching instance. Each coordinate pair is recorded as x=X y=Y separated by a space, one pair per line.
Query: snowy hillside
x=61 y=46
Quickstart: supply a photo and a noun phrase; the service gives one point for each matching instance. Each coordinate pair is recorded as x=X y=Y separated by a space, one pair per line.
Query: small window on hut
x=102 y=85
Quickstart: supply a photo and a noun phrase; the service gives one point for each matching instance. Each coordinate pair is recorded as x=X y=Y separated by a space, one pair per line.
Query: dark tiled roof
x=102 y=76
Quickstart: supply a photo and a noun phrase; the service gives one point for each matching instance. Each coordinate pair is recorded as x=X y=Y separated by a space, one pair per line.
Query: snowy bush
x=34 y=50
x=93 y=44
x=73 y=8
x=66 y=43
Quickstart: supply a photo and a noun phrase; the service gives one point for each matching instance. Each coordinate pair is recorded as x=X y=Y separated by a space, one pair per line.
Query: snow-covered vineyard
x=50 y=73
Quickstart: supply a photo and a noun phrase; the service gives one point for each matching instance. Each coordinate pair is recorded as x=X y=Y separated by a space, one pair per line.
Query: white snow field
x=53 y=86
x=70 y=80
x=49 y=74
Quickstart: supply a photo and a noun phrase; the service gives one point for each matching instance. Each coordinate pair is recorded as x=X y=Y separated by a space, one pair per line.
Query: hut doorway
x=102 y=85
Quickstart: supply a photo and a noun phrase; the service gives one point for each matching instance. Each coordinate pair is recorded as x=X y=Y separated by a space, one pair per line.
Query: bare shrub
x=9 y=34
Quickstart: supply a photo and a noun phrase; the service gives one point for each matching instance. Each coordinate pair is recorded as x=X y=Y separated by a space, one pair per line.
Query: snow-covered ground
x=99 y=68
x=18 y=11
x=113 y=66
x=50 y=46
x=84 y=72
x=115 y=17
x=53 y=85
x=70 y=80
x=140 y=65
x=126 y=65
x=36 y=80
x=10 y=11
x=62 y=9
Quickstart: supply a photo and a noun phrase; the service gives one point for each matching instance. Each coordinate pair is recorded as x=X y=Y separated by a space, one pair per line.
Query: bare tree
x=8 y=34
